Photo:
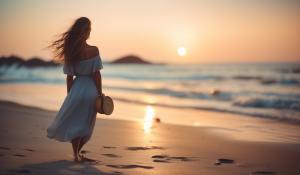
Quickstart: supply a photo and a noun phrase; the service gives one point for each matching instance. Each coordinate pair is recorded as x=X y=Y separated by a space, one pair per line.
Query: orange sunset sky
x=211 y=30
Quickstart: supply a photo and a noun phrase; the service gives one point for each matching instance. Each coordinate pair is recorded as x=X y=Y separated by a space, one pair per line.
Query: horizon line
x=108 y=60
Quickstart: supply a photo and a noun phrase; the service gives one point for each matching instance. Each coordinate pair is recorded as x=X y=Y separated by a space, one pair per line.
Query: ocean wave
x=190 y=94
x=161 y=77
x=240 y=98
x=247 y=77
x=295 y=70
x=151 y=73
x=251 y=90
x=267 y=81
x=275 y=103
x=280 y=82
x=295 y=119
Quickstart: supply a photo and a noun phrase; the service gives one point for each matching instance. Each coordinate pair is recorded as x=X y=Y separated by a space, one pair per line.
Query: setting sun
x=181 y=51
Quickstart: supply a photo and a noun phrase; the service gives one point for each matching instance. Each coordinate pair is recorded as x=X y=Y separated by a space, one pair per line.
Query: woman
x=76 y=118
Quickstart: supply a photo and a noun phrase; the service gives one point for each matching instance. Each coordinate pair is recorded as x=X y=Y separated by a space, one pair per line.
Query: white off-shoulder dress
x=77 y=115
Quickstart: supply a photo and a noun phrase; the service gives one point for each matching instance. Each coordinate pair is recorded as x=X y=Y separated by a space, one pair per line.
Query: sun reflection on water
x=148 y=119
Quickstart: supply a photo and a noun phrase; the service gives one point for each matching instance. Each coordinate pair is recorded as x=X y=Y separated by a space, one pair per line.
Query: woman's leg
x=81 y=143
x=75 y=145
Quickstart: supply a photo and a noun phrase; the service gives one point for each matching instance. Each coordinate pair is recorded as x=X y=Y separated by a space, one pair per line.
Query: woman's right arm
x=69 y=81
x=98 y=81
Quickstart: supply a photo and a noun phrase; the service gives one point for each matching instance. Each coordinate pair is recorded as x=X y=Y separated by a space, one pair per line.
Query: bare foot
x=76 y=158
x=85 y=159
x=80 y=156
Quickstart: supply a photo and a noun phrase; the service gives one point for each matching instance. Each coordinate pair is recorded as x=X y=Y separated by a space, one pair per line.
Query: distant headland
x=39 y=62
x=130 y=59
x=32 y=62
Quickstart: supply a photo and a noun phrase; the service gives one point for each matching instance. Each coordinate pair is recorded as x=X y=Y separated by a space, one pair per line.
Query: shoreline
x=258 y=116
x=27 y=93
x=225 y=129
x=264 y=101
x=124 y=147
x=234 y=126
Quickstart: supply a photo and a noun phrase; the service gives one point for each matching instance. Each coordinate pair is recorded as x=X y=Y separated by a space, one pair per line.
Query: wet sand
x=125 y=147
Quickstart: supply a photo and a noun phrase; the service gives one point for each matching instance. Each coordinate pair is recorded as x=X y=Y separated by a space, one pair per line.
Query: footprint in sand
x=161 y=161
x=184 y=159
x=4 y=148
x=111 y=155
x=138 y=148
x=263 y=173
x=109 y=147
x=30 y=150
x=8 y=173
x=21 y=171
x=130 y=166
x=163 y=158
x=84 y=151
x=223 y=161
x=19 y=155
x=90 y=161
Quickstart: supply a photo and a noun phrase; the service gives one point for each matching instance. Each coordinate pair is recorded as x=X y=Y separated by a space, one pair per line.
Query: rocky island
x=130 y=59
x=39 y=62
x=33 y=62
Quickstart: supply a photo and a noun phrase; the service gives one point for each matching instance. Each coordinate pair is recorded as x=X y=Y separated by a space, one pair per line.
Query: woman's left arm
x=98 y=81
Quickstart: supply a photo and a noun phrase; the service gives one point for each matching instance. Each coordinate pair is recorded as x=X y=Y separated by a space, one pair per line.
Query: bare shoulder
x=92 y=51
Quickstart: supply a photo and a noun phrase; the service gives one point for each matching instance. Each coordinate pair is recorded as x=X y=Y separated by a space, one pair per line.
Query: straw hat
x=104 y=105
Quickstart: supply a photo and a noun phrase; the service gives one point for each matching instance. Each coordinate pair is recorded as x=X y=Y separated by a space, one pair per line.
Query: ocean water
x=255 y=90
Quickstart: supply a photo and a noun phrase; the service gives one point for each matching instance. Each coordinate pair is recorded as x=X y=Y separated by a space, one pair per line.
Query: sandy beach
x=124 y=147
x=198 y=87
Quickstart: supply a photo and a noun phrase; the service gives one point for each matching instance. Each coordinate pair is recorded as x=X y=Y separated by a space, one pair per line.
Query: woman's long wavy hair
x=69 y=48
